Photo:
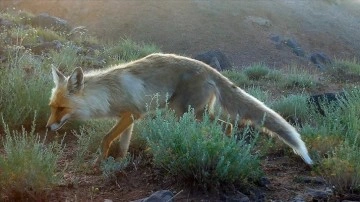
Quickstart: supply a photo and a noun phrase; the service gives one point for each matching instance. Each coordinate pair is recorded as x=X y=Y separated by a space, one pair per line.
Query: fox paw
x=96 y=164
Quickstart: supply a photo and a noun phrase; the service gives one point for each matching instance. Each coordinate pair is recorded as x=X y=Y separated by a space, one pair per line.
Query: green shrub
x=259 y=94
x=66 y=59
x=275 y=75
x=346 y=67
x=49 y=35
x=292 y=106
x=299 y=78
x=110 y=168
x=237 y=77
x=28 y=166
x=342 y=168
x=15 y=16
x=257 y=71
x=89 y=138
x=22 y=93
x=127 y=50
x=199 y=151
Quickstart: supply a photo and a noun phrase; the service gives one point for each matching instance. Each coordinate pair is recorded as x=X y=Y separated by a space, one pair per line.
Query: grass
x=127 y=50
x=88 y=138
x=48 y=35
x=198 y=152
x=345 y=70
x=66 y=59
x=110 y=167
x=23 y=93
x=342 y=168
x=298 y=78
x=29 y=166
x=259 y=93
x=186 y=149
x=292 y=106
x=237 y=77
x=257 y=71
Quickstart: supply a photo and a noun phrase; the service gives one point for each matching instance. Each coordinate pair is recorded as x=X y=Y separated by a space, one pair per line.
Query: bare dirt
x=242 y=30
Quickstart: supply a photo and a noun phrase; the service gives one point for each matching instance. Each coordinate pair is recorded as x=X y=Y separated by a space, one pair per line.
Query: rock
x=264 y=181
x=298 y=198
x=277 y=40
x=257 y=195
x=93 y=62
x=312 y=180
x=45 y=47
x=297 y=50
x=321 y=60
x=319 y=195
x=238 y=197
x=280 y=42
x=5 y=23
x=159 y=196
x=351 y=197
x=326 y=99
x=45 y=20
x=216 y=59
x=77 y=32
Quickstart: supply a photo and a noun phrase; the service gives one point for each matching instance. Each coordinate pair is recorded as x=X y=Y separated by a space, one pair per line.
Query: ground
x=242 y=29
x=141 y=180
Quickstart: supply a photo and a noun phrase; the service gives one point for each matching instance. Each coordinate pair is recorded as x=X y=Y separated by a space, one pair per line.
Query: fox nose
x=48 y=127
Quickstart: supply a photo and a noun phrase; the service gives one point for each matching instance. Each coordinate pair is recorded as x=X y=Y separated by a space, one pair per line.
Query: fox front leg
x=122 y=130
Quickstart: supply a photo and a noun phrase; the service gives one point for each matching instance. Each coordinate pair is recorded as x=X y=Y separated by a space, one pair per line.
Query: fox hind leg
x=200 y=98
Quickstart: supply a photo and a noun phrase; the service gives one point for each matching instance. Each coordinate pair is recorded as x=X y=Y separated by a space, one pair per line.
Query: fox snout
x=55 y=125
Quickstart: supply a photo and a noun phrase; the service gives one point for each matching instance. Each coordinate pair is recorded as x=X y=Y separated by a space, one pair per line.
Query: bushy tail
x=237 y=102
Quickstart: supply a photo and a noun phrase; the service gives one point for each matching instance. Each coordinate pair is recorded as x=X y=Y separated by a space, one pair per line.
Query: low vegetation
x=29 y=167
x=186 y=149
x=199 y=152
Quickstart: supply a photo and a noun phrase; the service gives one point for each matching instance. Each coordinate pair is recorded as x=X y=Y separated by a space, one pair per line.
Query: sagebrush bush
x=260 y=94
x=298 y=78
x=127 y=50
x=343 y=67
x=342 y=168
x=110 y=168
x=88 y=141
x=237 y=77
x=22 y=92
x=275 y=75
x=257 y=71
x=67 y=58
x=334 y=141
x=48 y=35
x=292 y=106
x=28 y=167
x=199 y=151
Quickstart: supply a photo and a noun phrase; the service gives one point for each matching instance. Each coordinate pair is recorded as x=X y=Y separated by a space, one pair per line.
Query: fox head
x=63 y=100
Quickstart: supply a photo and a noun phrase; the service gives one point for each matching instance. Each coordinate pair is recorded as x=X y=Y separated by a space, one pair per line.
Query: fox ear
x=76 y=81
x=58 y=77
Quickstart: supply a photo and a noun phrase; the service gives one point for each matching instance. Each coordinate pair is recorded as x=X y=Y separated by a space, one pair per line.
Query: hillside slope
x=242 y=29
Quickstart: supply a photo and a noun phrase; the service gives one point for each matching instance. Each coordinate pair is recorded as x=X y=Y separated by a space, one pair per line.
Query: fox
x=124 y=91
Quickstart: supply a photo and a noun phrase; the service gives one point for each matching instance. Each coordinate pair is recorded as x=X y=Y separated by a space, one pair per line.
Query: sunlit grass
x=28 y=166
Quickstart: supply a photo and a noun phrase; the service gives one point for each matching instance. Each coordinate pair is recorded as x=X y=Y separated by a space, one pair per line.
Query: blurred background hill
x=246 y=31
